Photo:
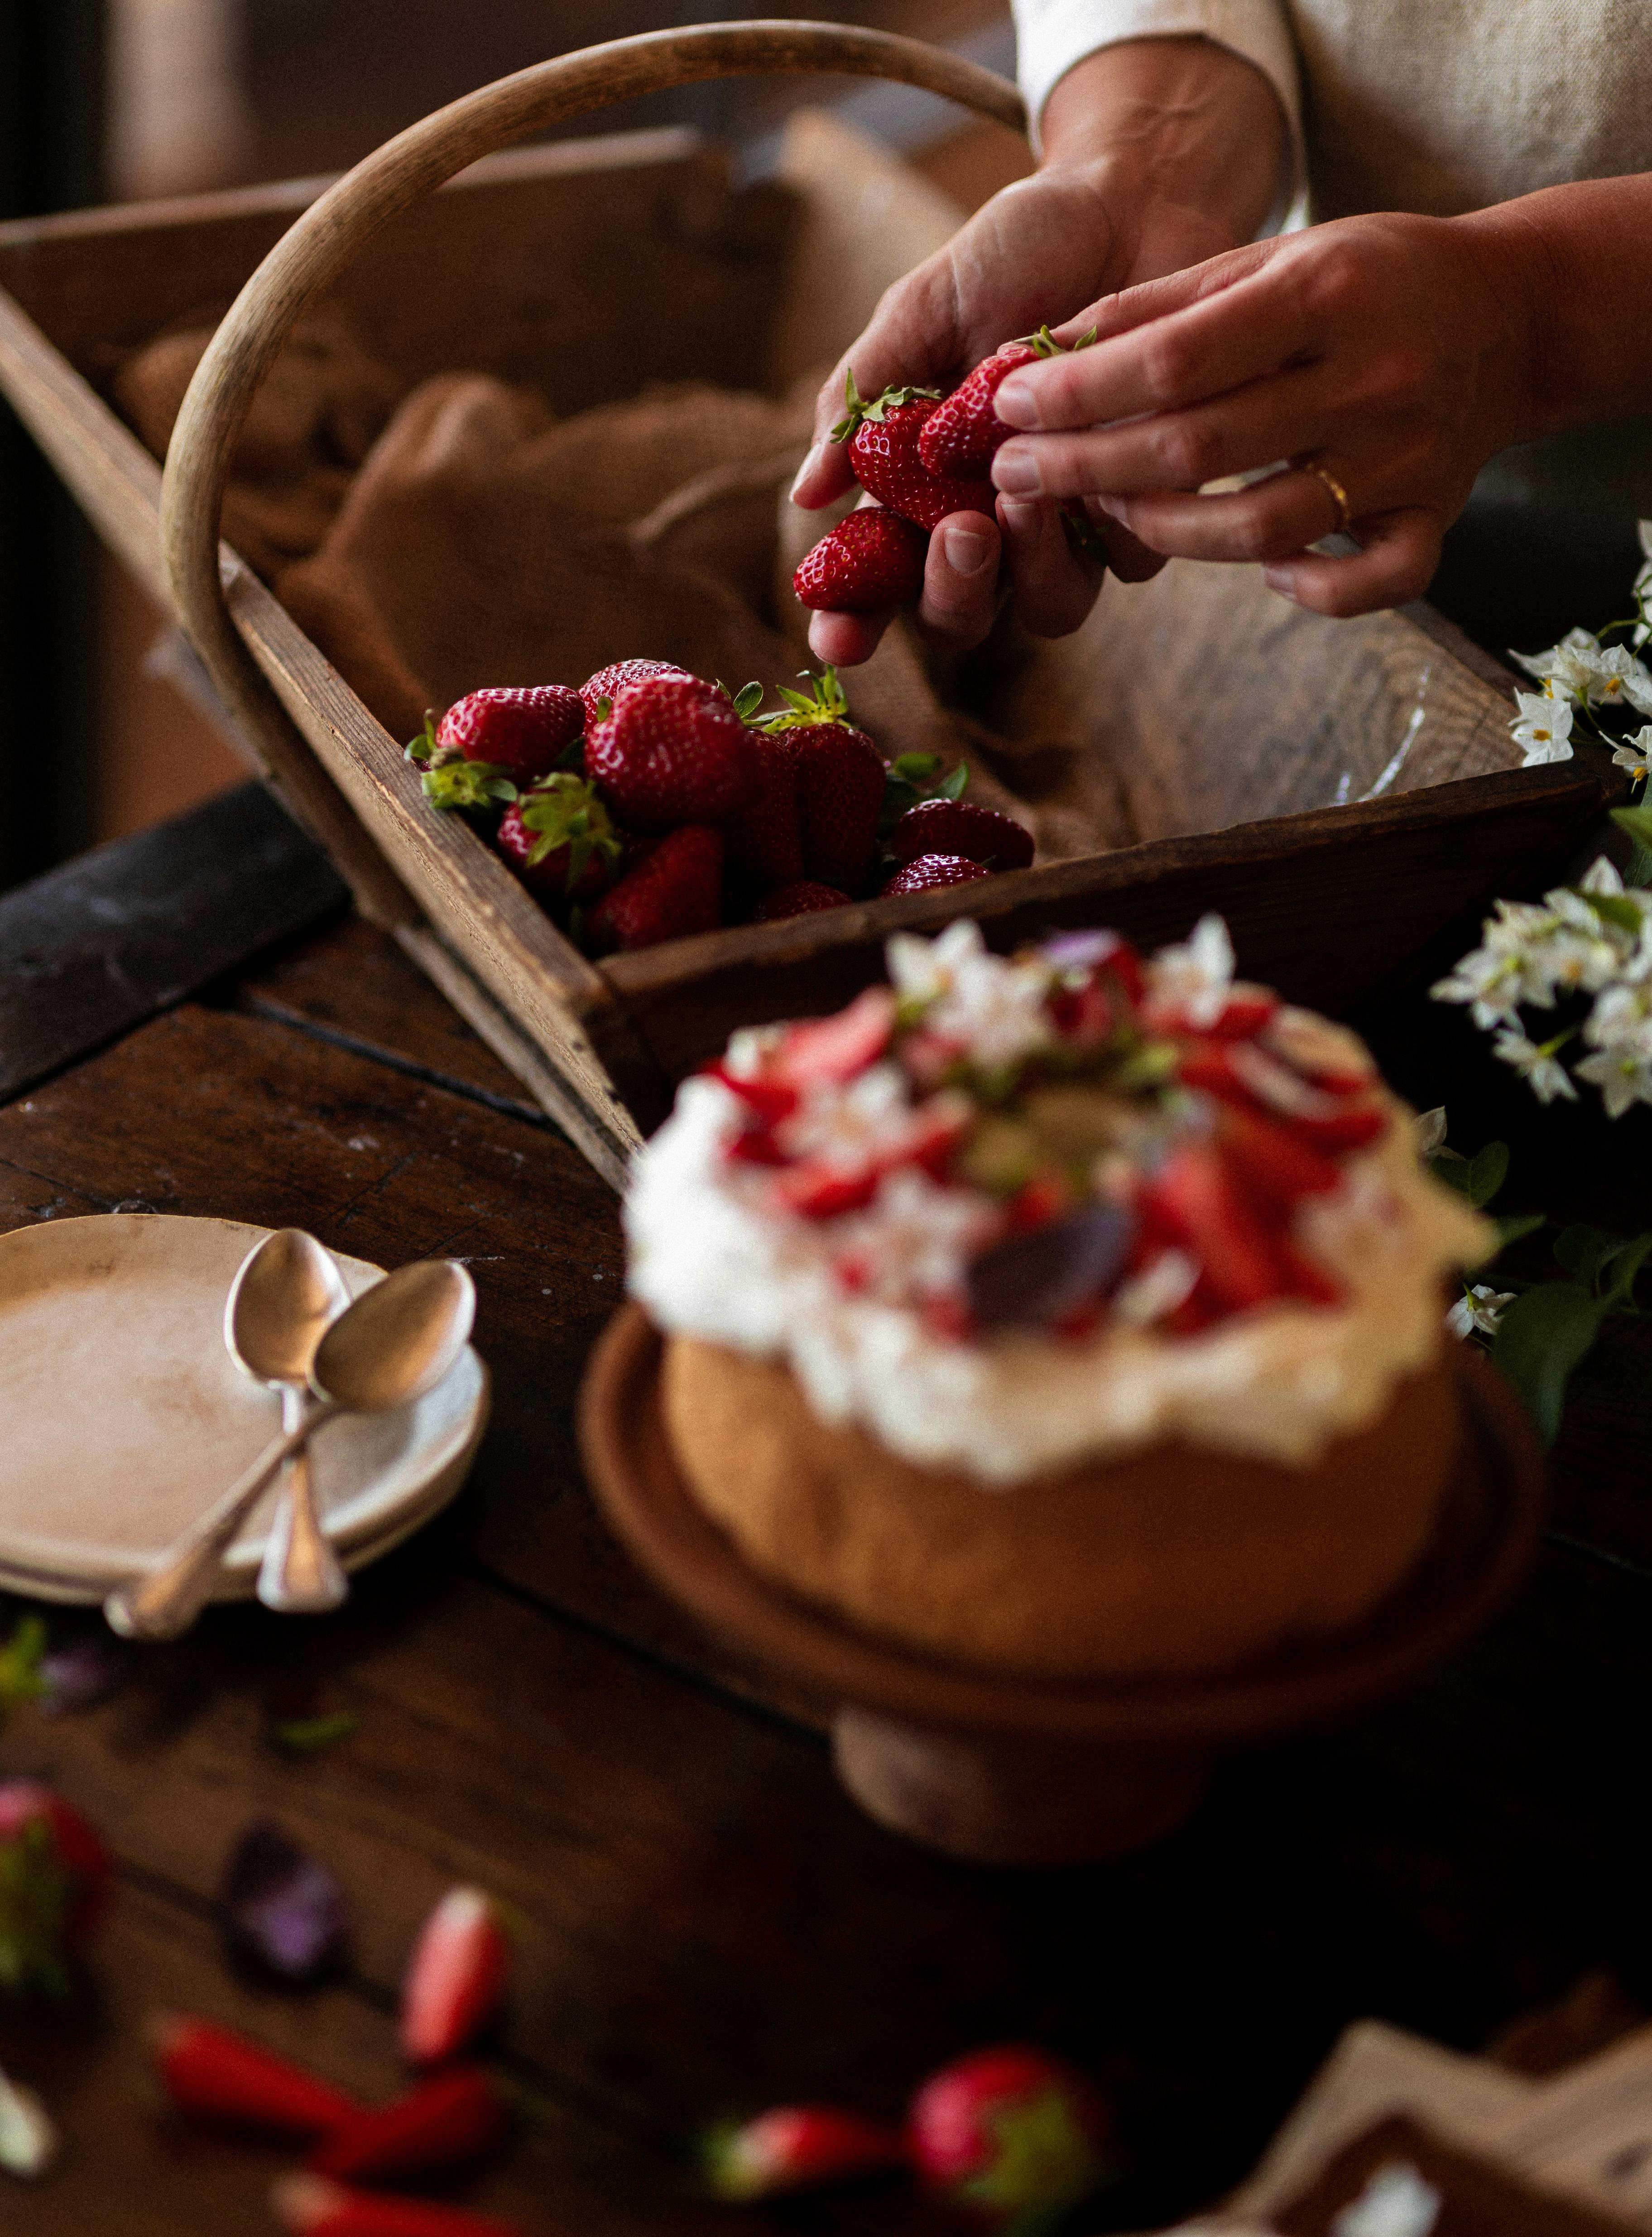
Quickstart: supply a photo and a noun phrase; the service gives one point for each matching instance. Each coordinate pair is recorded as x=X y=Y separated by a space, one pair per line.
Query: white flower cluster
x=1596 y=939
x=1580 y=675
x=991 y=1006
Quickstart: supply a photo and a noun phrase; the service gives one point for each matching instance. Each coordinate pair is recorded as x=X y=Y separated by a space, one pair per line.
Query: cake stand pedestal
x=1011 y=1770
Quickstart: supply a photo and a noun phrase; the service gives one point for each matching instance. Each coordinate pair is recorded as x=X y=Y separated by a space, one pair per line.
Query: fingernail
x=1016 y=472
x=1017 y=403
x=1020 y=519
x=967 y=552
x=806 y=469
x=1282 y=579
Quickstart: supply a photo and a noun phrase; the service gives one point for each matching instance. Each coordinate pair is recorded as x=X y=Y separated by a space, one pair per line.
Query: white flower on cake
x=847 y=1126
x=1198 y=976
x=915 y=1242
x=990 y=1007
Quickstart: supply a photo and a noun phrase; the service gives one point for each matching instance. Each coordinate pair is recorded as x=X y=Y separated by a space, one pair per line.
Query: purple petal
x=83 y=1672
x=1080 y=950
x=1039 y=1278
x=282 y=1908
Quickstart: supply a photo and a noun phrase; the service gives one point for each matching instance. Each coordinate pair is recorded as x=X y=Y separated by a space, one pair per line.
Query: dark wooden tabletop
x=189 y=1022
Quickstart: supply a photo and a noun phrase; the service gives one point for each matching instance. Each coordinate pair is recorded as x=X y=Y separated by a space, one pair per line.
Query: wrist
x=1177 y=120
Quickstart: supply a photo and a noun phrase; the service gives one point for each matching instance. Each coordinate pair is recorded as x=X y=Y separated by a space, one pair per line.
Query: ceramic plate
x=122 y=1417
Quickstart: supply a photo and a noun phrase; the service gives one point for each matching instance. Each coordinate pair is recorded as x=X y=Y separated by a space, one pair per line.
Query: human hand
x=1159 y=152
x=1387 y=357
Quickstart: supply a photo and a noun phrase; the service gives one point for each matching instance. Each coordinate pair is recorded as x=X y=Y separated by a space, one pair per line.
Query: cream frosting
x=1282 y=1382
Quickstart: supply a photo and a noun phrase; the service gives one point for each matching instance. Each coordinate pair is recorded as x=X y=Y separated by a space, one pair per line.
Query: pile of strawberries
x=650 y=805
x=922 y=456
x=1145 y=1152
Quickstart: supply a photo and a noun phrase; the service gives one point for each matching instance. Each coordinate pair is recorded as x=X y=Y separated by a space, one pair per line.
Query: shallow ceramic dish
x=122 y=1415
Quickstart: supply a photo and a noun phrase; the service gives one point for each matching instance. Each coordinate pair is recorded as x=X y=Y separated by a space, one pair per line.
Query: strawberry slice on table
x=930 y=872
x=444 y=2122
x=962 y=435
x=671 y=751
x=456 y=1975
x=311 y=2206
x=610 y=682
x=806 y=898
x=54 y=1876
x=883 y=439
x=960 y=826
x=872 y=562
x=524 y=730
x=675 y=890
x=796 y=2147
x=840 y=780
x=560 y=840
x=215 y=2074
x=1012 y=2135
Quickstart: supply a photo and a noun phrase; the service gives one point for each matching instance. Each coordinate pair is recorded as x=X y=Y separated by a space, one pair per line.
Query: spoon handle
x=301 y=1575
x=165 y=1600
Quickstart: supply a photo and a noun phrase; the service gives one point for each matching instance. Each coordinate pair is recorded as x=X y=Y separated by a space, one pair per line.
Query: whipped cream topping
x=1282 y=1382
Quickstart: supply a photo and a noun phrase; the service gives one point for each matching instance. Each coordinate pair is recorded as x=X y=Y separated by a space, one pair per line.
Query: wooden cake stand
x=1031 y=1772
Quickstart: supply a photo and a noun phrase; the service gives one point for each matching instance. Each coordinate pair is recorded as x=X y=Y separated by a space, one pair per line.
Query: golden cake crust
x=1174 y=1562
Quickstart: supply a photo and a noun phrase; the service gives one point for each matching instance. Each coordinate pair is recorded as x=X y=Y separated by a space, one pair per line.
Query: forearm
x=1177 y=120
x=1571 y=264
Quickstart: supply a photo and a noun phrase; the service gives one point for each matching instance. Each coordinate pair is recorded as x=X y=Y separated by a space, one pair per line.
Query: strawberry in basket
x=493 y=740
x=841 y=778
x=561 y=840
x=670 y=751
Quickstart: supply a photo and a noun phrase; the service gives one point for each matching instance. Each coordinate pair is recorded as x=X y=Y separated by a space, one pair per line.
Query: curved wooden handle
x=334 y=230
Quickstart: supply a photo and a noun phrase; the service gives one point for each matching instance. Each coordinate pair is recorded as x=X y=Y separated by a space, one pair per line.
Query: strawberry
x=883 y=438
x=959 y=827
x=1191 y=1199
x=312 y=2206
x=456 y=1975
x=802 y=899
x=671 y=751
x=609 y=683
x=765 y=839
x=675 y=889
x=872 y=562
x=219 y=2075
x=560 y=840
x=1275 y=1167
x=55 y=1876
x=962 y=435
x=797 y=2146
x=442 y=2124
x=930 y=871
x=840 y=780
x=524 y=731
x=1012 y=2135
x=1239 y=1071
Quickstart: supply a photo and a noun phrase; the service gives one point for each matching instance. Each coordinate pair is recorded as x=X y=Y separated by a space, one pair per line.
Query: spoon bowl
x=283 y=1301
x=398 y=1340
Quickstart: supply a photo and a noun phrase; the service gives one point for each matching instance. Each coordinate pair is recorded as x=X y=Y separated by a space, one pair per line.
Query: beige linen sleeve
x=1053 y=34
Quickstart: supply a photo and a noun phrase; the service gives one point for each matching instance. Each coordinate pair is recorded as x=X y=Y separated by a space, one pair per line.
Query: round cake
x=1069 y=1314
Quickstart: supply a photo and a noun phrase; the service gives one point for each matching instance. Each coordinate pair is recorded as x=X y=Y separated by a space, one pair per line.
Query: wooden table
x=189 y=1022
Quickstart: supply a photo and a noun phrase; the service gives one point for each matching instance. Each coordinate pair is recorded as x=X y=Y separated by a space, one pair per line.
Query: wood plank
x=96 y=948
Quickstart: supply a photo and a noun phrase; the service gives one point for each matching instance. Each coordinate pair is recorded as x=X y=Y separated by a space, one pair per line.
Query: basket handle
x=333 y=230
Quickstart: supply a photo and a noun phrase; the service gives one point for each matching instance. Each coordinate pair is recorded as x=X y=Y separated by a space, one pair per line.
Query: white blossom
x=1567 y=668
x=1539 y=1066
x=1479 y=1310
x=27 y=2139
x=994 y=1009
x=1619 y=677
x=1634 y=753
x=1623 y=1079
x=1600 y=876
x=1542 y=729
x=1197 y=976
x=846 y=1127
x=1430 y=1132
x=917 y=1238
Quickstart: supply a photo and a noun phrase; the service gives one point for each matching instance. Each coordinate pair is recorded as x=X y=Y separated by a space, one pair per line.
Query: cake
x=1064 y=1315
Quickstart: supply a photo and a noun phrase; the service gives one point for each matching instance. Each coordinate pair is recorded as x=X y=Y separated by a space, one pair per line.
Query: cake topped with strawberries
x=1004 y=1211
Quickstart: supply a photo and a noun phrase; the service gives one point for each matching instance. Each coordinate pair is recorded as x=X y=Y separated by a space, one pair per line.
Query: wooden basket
x=1329 y=903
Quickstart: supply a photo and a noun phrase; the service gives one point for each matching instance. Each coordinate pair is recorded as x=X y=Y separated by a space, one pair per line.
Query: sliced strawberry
x=838 y=1048
x=816 y=1189
x=674 y=891
x=456 y=1975
x=1011 y=2135
x=444 y=2122
x=1245 y=1012
x=796 y=2147
x=1274 y=1166
x=871 y=562
x=310 y=2206
x=1192 y=1197
x=218 y=2076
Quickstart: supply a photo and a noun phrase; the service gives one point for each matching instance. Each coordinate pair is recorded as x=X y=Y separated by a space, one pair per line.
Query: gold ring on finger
x=1338 y=496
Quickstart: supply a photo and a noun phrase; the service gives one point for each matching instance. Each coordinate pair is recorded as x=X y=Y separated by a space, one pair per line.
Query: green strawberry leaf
x=420 y=749
x=951 y=787
x=21 y=1677
x=747 y=700
x=460 y=785
x=1541 y=1338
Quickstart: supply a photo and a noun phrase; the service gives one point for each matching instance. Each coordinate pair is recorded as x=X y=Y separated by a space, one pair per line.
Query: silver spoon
x=397 y=1340
x=286 y=1295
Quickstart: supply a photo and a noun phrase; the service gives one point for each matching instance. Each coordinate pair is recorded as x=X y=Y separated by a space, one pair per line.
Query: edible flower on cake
x=1009 y=1211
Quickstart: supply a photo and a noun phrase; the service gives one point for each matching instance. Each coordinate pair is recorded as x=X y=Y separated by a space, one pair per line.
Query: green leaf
x=1612 y=908
x=1488 y=1170
x=1584 y=1250
x=914 y=768
x=20 y=1660
x=951 y=787
x=1541 y=1338
x=1514 y=1225
x=1637 y=822
x=1639 y=873
x=747 y=700
x=419 y=749
x=307 y=1736
x=1626 y=1265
